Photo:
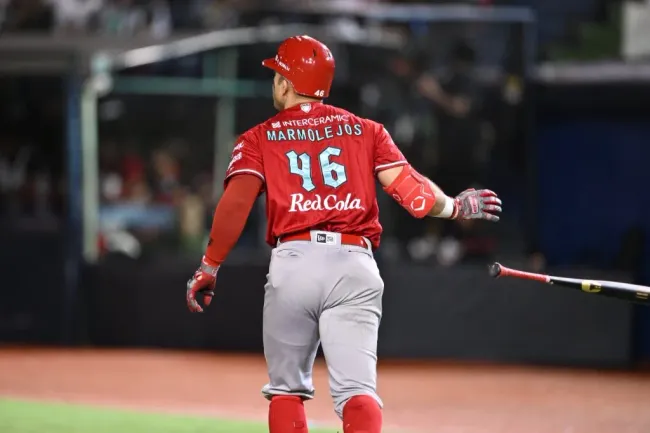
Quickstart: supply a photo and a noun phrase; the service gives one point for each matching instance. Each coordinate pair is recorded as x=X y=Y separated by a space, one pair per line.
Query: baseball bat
x=612 y=289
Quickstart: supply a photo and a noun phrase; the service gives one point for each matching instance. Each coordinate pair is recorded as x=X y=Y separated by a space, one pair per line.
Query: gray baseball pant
x=328 y=294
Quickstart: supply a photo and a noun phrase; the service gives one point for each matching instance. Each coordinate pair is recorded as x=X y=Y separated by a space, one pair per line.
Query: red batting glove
x=202 y=283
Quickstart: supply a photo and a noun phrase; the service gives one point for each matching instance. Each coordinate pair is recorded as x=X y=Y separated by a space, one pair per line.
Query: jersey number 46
x=333 y=173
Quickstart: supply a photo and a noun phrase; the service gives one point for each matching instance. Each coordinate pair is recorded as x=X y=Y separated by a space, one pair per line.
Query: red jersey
x=318 y=164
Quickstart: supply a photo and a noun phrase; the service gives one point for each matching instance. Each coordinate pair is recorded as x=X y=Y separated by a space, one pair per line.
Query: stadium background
x=111 y=159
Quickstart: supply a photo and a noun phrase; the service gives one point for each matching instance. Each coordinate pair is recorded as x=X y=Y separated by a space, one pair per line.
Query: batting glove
x=480 y=204
x=202 y=283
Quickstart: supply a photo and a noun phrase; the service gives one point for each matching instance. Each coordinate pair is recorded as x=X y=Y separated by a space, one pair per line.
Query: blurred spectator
x=74 y=15
x=109 y=17
x=139 y=193
x=456 y=95
x=218 y=14
x=160 y=19
x=134 y=177
x=536 y=262
x=191 y=220
x=455 y=155
x=122 y=18
x=14 y=162
x=465 y=242
x=123 y=175
x=27 y=180
x=111 y=180
x=167 y=183
x=478 y=243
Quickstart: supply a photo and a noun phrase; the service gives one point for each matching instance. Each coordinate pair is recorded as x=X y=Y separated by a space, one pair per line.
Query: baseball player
x=318 y=165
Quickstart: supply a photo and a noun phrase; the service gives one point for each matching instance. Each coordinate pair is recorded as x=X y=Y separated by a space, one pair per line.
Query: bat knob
x=495 y=270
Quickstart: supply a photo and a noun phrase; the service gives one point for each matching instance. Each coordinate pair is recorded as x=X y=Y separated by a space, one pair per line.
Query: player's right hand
x=202 y=283
x=477 y=204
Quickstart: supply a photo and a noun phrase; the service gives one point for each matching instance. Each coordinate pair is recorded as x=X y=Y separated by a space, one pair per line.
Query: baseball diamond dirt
x=419 y=397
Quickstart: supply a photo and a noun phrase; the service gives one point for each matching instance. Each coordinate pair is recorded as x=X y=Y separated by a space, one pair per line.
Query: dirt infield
x=423 y=398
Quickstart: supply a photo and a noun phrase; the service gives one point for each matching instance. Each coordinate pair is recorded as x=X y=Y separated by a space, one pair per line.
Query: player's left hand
x=477 y=204
x=202 y=283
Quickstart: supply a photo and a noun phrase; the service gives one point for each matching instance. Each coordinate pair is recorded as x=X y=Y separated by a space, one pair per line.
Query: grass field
x=30 y=417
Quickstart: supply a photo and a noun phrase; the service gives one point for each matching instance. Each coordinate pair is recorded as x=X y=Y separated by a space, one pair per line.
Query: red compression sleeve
x=231 y=214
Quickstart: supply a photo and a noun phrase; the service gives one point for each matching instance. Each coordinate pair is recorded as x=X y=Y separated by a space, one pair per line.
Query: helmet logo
x=281 y=63
x=305 y=107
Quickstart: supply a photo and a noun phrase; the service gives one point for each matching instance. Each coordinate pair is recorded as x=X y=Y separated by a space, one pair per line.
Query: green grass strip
x=32 y=417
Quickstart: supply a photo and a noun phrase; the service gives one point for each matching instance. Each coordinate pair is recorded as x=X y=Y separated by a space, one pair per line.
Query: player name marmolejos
x=314 y=134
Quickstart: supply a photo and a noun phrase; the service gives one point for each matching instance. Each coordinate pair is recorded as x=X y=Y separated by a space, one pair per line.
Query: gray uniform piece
x=328 y=293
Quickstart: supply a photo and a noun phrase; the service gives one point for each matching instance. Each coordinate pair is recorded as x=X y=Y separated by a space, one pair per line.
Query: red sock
x=287 y=415
x=362 y=414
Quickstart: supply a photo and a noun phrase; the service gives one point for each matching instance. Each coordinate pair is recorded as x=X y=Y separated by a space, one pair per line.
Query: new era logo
x=324 y=238
x=275 y=124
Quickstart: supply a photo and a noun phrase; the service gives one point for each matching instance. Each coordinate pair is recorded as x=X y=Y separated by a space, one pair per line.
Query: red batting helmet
x=306 y=63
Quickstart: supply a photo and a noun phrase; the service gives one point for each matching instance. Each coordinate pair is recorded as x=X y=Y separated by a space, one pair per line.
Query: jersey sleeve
x=386 y=153
x=246 y=159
